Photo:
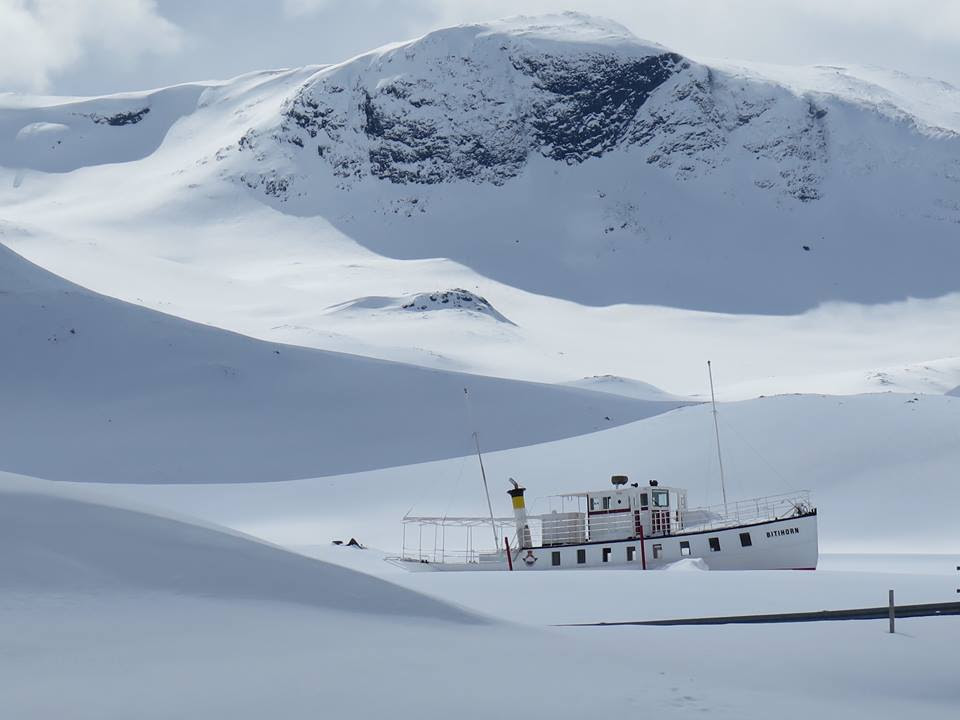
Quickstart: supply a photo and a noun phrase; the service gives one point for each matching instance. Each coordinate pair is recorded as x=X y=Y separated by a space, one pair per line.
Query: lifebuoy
x=529 y=558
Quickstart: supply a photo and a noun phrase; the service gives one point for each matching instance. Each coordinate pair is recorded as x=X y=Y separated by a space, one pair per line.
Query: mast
x=483 y=473
x=716 y=430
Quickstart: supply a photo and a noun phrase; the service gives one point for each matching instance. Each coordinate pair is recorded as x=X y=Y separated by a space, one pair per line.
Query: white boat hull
x=786 y=544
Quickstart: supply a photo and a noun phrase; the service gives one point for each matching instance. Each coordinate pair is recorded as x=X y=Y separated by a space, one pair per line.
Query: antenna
x=716 y=429
x=483 y=473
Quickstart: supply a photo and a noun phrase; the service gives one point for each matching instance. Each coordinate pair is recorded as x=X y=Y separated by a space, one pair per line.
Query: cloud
x=305 y=7
x=98 y=46
x=40 y=38
x=919 y=37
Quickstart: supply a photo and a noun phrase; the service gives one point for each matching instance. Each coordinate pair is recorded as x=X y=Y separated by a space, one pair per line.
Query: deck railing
x=745 y=512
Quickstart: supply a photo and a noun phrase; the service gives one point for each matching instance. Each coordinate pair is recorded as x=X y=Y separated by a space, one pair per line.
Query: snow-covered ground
x=881 y=469
x=115 y=610
x=101 y=390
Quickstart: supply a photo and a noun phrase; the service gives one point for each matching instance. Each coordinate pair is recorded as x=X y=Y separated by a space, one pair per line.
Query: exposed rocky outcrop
x=121 y=118
x=478 y=103
x=454 y=299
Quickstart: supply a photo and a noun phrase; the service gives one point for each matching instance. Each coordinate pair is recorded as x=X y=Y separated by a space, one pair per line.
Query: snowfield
x=237 y=319
x=100 y=390
x=861 y=457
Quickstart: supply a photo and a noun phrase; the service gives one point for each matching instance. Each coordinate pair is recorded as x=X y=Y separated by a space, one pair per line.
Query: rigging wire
x=716 y=427
x=483 y=472
x=454 y=487
x=784 y=483
x=431 y=487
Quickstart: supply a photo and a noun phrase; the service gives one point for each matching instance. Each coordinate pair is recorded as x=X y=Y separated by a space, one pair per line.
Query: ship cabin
x=622 y=512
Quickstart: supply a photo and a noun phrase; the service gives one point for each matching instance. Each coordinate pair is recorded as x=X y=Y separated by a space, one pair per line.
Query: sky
x=84 y=47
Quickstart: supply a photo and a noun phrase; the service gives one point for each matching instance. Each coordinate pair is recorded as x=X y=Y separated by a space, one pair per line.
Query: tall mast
x=483 y=473
x=716 y=430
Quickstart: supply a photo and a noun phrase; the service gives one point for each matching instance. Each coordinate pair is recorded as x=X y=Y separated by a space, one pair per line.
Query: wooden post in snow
x=893 y=613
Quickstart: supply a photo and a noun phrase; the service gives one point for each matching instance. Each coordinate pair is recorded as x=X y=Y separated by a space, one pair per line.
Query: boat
x=625 y=525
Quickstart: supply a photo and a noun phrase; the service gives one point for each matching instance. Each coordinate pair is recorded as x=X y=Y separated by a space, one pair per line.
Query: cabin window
x=745 y=540
x=661 y=498
x=606 y=503
x=581 y=557
x=555 y=558
x=715 y=544
x=631 y=552
x=594 y=504
x=606 y=554
x=644 y=501
x=684 y=548
x=657 y=551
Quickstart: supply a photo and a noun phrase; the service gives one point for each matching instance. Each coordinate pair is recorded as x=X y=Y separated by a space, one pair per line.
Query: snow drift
x=60 y=539
x=96 y=389
x=113 y=610
x=74 y=133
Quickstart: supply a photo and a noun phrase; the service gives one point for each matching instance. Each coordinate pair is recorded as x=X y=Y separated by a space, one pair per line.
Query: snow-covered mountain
x=542 y=167
x=293 y=275
x=565 y=157
x=559 y=155
x=479 y=103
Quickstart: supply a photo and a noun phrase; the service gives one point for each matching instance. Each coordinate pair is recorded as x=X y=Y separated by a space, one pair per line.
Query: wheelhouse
x=624 y=511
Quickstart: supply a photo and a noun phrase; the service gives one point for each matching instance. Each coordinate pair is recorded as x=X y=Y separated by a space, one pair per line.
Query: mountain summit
x=478 y=102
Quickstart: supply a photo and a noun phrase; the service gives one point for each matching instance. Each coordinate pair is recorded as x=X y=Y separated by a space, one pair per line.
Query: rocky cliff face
x=477 y=103
x=416 y=130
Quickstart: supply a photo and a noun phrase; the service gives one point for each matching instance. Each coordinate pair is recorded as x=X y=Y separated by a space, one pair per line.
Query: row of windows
x=714 y=542
x=605 y=555
x=661 y=499
x=745 y=541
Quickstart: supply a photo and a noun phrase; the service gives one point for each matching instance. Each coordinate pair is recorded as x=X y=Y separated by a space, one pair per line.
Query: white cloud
x=39 y=38
x=920 y=36
x=97 y=46
x=305 y=7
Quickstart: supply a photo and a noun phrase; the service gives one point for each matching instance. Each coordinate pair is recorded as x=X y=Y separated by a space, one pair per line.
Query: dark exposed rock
x=480 y=119
x=588 y=104
x=582 y=106
x=455 y=299
x=123 y=118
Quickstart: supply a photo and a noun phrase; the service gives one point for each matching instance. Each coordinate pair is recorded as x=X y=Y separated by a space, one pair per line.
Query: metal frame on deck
x=469 y=552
